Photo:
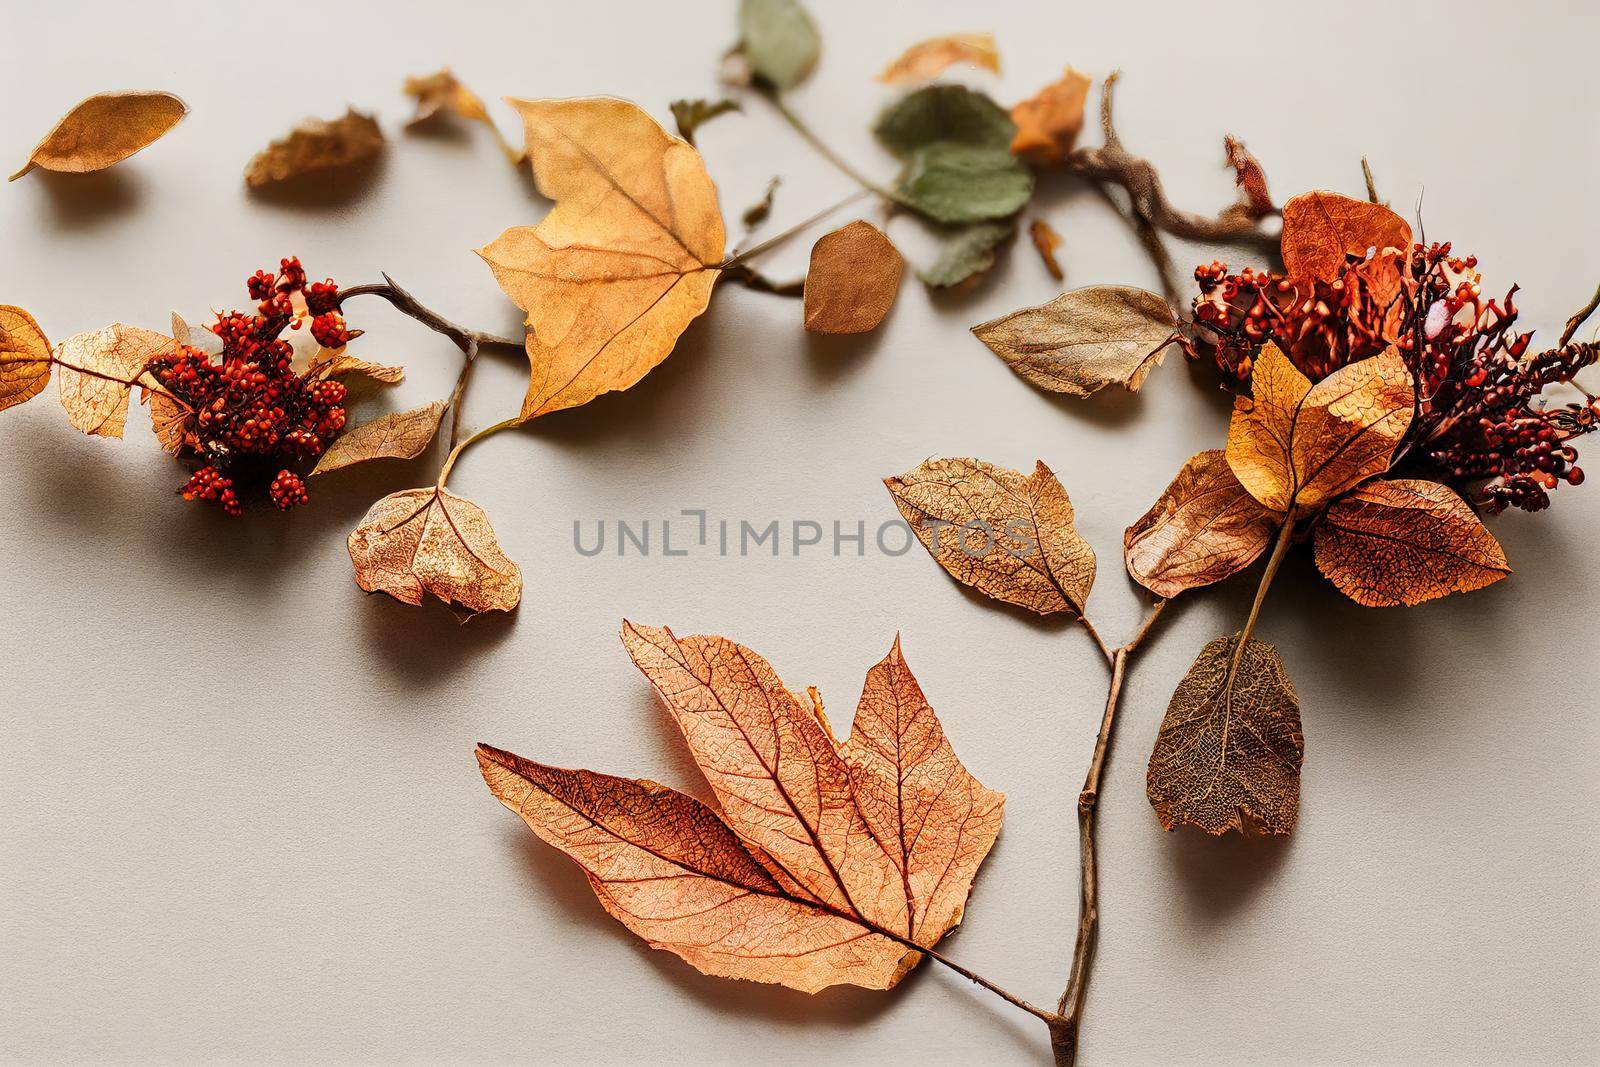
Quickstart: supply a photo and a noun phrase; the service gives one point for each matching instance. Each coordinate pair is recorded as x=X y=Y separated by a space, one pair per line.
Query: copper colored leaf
x=1229 y=752
x=24 y=357
x=397 y=435
x=1046 y=240
x=1406 y=541
x=338 y=363
x=1320 y=229
x=1252 y=181
x=927 y=58
x=171 y=419
x=852 y=281
x=1006 y=534
x=625 y=260
x=420 y=541
x=105 y=129
x=1048 y=123
x=1204 y=528
x=1085 y=340
x=97 y=370
x=315 y=145
x=1295 y=444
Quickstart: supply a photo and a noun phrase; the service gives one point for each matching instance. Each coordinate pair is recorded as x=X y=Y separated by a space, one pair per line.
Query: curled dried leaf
x=690 y=115
x=1230 y=748
x=24 y=357
x=316 y=145
x=1321 y=229
x=1046 y=240
x=927 y=58
x=1404 y=542
x=442 y=93
x=1256 y=202
x=420 y=541
x=1085 y=340
x=1006 y=534
x=1204 y=528
x=105 y=129
x=853 y=279
x=1048 y=123
x=99 y=368
x=397 y=435
x=1295 y=445
x=338 y=363
x=625 y=260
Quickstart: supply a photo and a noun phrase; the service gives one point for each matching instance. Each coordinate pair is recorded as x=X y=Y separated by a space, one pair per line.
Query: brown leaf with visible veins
x=1406 y=541
x=397 y=435
x=105 y=129
x=853 y=279
x=1295 y=444
x=337 y=362
x=421 y=541
x=1321 y=228
x=1046 y=240
x=1005 y=534
x=24 y=357
x=99 y=368
x=625 y=260
x=826 y=864
x=1229 y=752
x=1085 y=340
x=927 y=58
x=1204 y=528
x=1048 y=123
x=314 y=145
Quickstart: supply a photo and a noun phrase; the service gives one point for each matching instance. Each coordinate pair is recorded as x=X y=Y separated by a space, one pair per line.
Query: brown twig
x=1372 y=186
x=1580 y=318
x=753 y=279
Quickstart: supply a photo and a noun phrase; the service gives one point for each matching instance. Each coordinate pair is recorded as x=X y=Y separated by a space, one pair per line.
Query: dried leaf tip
x=105 y=129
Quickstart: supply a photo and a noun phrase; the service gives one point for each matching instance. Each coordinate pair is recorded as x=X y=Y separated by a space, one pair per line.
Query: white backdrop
x=239 y=814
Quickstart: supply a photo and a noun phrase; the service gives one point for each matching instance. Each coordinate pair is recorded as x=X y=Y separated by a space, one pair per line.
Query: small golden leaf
x=1006 y=534
x=314 y=145
x=1046 y=240
x=99 y=368
x=105 y=129
x=420 y=541
x=927 y=58
x=1204 y=528
x=1297 y=445
x=1404 y=542
x=1229 y=752
x=852 y=281
x=1048 y=123
x=625 y=260
x=24 y=357
x=397 y=435
x=442 y=92
x=1321 y=229
x=1085 y=340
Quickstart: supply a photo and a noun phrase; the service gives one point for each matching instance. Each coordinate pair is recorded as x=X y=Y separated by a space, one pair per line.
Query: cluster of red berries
x=253 y=418
x=1481 y=423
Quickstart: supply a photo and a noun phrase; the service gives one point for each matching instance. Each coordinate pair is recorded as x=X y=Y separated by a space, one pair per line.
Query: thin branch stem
x=843 y=165
x=407 y=304
x=1100 y=642
x=467 y=363
x=779 y=238
x=1372 y=186
x=456 y=450
x=1279 y=549
x=1016 y=1001
x=1580 y=318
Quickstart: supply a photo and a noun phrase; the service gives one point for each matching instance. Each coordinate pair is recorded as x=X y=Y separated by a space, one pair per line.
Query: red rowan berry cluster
x=254 y=419
x=1481 y=421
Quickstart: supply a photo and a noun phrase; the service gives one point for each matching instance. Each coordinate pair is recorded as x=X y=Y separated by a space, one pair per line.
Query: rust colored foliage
x=823 y=863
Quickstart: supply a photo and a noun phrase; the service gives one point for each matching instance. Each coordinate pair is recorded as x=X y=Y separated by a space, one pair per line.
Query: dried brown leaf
x=420 y=541
x=1229 y=752
x=1048 y=123
x=625 y=260
x=1204 y=528
x=1404 y=542
x=827 y=864
x=1085 y=340
x=853 y=279
x=1251 y=180
x=1295 y=444
x=442 y=93
x=1321 y=229
x=24 y=357
x=1006 y=534
x=105 y=129
x=315 y=145
x=99 y=368
x=338 y=363
x=1046 y=240
x=397 y=435
x=927 y=58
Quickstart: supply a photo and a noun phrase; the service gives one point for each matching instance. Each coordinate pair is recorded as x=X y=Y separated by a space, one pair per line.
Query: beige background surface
x=239 y=816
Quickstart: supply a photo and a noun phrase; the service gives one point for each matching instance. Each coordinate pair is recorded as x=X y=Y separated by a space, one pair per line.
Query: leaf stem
x=1582 y=316
x=799 y=126
x=1372 y=186
x=457 y=449
x=778 y=238
x=1280 y=547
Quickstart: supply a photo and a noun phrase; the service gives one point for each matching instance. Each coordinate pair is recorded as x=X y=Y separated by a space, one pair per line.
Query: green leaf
x=968 y=252
x=944 y=113
x=951 y=182
x=690 y=115
x=779 y=40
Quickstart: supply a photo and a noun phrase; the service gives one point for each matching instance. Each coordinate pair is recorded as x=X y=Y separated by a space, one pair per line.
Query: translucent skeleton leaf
x=823 y=863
